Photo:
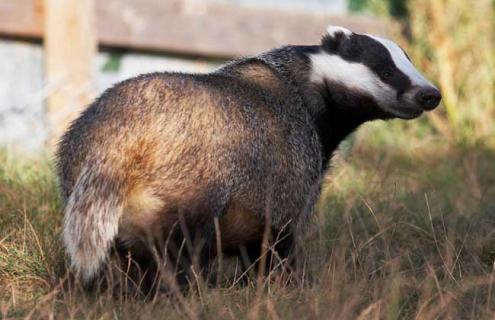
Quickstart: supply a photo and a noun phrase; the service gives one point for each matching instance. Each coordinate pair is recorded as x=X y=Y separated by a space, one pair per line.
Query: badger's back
x=167 y=116
x=161 y=142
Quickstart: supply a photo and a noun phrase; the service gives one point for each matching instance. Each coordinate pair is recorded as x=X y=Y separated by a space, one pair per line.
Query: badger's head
x=356 y=70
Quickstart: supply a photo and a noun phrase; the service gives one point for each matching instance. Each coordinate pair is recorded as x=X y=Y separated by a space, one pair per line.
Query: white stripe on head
x=349 y=74
x=402 y=62
x=332 y=30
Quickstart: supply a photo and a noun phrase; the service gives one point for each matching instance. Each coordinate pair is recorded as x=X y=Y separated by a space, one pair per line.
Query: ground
x=402 y=229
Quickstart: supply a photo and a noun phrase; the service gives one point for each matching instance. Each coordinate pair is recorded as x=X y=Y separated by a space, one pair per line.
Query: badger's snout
x=428 y=97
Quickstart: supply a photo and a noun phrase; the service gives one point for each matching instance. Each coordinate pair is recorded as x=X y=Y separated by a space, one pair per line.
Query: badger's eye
x=386 y=74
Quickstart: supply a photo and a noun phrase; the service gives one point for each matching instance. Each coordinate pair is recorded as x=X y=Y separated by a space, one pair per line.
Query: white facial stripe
x=351 y=75
x=332 y=30
x=402 y=62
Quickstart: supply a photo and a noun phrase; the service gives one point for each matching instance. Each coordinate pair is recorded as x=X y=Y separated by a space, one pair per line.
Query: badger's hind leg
x=280 y=255
x=189 y=247
x=137 y=271
x=243 y=233
x=137 y=246
x=168 y=240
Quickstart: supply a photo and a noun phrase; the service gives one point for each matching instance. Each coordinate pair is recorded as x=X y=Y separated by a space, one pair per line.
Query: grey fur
x=257 y=133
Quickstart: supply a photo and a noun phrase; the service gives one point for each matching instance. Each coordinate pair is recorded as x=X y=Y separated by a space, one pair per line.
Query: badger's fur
x=160 y=156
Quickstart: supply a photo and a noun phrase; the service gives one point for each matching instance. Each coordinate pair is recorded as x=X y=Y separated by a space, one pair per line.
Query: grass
x=399 y=233
x=404 y=229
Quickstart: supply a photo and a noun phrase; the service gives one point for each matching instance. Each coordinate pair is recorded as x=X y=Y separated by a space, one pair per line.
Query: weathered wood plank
x=21 y=18
x=187 y=26
x=70 y=49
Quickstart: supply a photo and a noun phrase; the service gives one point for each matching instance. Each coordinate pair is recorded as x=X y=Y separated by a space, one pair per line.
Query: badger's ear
x=334 y=38
x=333 y=30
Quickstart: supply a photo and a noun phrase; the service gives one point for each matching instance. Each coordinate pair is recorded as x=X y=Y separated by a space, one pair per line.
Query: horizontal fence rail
x=189 y=26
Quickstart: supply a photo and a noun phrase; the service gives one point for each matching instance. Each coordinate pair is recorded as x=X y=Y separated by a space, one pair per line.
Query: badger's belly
x=146 y=217
x=238 y=226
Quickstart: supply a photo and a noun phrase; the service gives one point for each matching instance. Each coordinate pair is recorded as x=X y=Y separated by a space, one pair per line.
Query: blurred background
x=57 y=56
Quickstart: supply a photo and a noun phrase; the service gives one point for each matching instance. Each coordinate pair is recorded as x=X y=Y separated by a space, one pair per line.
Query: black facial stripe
x=371 y=53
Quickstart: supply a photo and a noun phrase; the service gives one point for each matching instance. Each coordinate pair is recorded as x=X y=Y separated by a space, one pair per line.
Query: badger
x=209 y=162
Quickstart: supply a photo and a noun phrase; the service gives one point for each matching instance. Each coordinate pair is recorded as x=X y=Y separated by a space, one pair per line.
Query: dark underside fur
x=255 y=134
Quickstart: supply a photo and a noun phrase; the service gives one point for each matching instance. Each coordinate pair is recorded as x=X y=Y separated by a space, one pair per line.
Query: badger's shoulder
x=253 y=71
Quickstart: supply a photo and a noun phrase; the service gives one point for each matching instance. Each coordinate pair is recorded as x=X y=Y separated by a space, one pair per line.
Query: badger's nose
x=428 y=98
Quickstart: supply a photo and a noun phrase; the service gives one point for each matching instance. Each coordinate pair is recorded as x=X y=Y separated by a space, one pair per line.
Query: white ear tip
x=332 y=30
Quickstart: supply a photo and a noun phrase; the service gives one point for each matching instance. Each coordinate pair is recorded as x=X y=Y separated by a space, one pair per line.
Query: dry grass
x=398 y=235
x=405 y=227
x=459 y=38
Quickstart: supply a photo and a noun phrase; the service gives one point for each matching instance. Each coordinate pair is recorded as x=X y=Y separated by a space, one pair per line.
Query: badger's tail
x=91 y=220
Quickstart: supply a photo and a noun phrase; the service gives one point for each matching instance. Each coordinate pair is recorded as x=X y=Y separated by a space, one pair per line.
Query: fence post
x=70 y=47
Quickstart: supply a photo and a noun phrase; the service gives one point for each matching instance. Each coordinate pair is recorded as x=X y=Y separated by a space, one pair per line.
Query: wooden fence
x=71 y=30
